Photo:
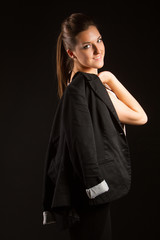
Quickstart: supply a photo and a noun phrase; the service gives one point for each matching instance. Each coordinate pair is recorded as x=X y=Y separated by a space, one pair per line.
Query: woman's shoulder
x=82 y=76
x=77 y=75
x=76 y=86
x=77 y=82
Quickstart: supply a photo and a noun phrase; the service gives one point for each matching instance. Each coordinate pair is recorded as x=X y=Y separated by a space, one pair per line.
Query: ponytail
x=64 y=66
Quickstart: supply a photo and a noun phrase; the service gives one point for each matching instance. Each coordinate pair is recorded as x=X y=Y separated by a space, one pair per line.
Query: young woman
x=87 y=162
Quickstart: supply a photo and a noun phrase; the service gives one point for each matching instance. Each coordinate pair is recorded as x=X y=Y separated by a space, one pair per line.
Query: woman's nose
x=96 y=49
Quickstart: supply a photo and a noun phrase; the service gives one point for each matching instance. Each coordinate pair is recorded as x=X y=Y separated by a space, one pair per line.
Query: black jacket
x=87 y=160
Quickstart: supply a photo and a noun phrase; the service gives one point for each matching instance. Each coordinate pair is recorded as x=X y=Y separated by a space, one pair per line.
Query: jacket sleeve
x=78 y=127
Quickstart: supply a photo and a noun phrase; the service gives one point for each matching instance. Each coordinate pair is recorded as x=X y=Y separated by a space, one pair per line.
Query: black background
x=29 y=99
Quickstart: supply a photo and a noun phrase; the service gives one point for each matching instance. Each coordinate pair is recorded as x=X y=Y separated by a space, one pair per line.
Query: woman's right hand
x=106 y=76
x=127 y=107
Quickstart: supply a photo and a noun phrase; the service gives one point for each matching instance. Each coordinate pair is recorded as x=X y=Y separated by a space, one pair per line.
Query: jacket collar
x=101 y=92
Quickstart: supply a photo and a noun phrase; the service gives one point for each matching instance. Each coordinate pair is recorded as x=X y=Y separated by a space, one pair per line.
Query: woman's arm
x=128 y=109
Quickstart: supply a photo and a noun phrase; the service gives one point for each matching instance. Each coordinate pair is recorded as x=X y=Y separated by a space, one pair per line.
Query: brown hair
x=70 y=27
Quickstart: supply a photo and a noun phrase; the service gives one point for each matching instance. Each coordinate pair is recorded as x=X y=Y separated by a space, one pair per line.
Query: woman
x=87 y=161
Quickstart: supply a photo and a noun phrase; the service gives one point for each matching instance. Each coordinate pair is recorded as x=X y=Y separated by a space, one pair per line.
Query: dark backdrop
x=29 y=99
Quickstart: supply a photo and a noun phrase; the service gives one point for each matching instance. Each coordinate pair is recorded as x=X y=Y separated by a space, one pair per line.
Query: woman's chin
x=99 y=65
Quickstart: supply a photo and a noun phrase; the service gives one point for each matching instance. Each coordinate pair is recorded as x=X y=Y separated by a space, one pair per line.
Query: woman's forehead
x=89 y=35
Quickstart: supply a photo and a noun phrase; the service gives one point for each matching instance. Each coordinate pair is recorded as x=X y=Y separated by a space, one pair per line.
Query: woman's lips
x=98 y=57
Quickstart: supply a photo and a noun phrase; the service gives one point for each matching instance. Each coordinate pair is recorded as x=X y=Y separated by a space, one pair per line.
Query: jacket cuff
x=97 y=189
x=48 y=218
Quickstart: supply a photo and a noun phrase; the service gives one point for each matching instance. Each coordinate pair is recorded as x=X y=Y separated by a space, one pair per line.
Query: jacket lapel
x=101 y=92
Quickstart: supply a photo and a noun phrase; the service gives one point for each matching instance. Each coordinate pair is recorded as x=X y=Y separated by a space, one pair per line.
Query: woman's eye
x=99 y=40
x=86 y=46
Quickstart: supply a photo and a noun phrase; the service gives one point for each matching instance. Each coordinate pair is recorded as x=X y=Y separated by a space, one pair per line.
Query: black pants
x=94 y=224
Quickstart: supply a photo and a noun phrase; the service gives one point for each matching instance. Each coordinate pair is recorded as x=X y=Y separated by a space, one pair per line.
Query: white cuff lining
x=47 y=218
x=97 y=190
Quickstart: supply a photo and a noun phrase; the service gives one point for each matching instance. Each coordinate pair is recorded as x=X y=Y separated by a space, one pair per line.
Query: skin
x=88 y=56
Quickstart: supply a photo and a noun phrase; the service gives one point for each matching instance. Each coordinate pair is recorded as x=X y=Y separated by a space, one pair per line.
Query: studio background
x=29 y=99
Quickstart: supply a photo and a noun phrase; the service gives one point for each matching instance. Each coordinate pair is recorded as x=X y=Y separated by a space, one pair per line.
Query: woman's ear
x=70 y=53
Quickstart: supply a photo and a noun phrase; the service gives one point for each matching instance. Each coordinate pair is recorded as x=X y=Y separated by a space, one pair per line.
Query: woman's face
x=88 y=54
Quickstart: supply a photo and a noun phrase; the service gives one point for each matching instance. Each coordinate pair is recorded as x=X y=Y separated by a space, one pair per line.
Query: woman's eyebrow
x=86 y=42
x=90 y=42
